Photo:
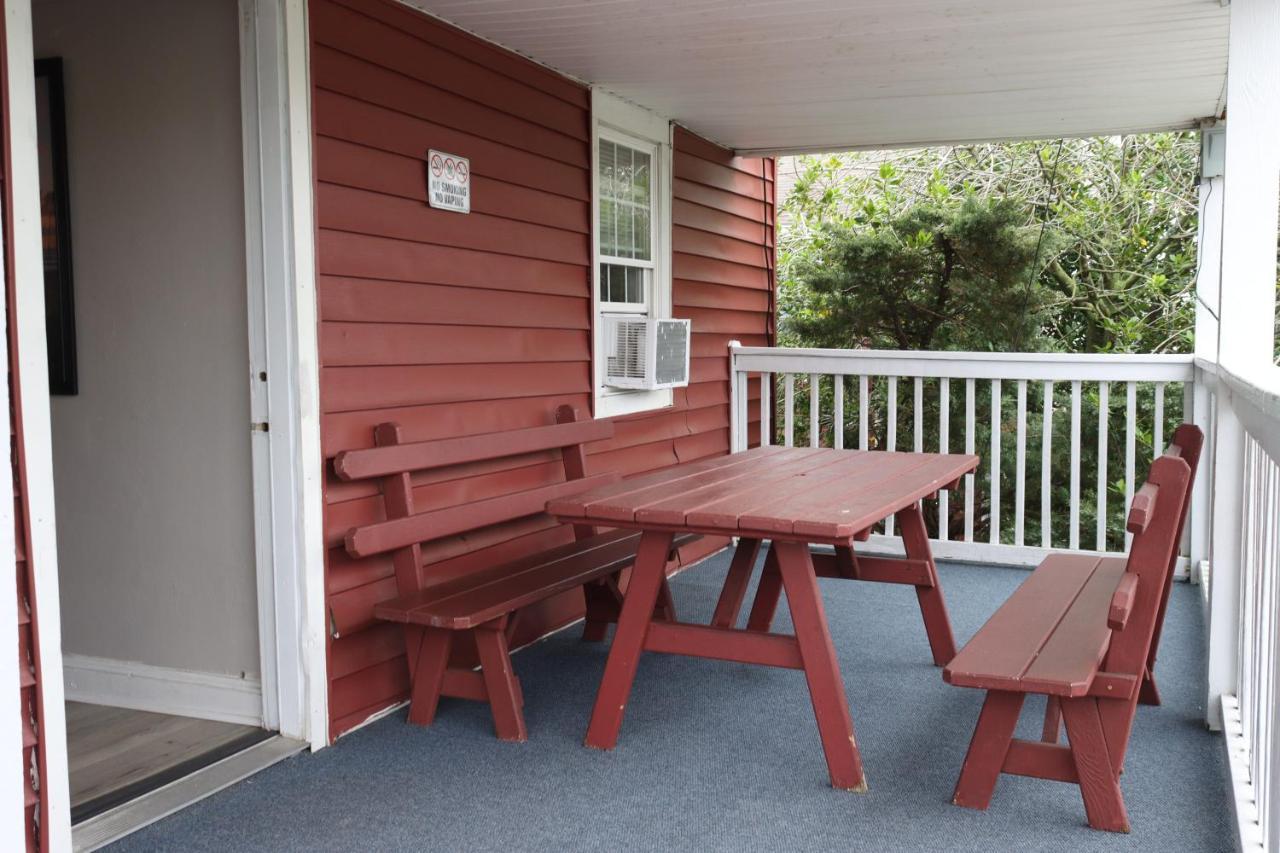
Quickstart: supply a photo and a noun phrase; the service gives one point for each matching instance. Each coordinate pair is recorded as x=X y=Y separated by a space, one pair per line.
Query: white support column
x=1245 y=305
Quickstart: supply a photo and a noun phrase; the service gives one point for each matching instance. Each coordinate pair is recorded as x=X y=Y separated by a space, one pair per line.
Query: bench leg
x=735 y=583
x=1052 y=719
x=647 y=577
x=821 y=670
x=665 y=607
x=768 y=591
x=431 y=660
x=1099 y=776
x=937 y=624
x=1148 y=694
x=987 y=749
x=603 y=603
x=500 y=682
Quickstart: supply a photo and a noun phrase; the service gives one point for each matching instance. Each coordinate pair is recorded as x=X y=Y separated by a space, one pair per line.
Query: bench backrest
x=1188 y=440
x=393 y=462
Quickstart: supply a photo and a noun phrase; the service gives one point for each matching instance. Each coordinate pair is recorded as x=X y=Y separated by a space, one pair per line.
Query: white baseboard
x=163 y=690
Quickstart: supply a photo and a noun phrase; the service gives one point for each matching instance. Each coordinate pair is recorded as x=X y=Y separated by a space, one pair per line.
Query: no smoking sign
x=448 y=181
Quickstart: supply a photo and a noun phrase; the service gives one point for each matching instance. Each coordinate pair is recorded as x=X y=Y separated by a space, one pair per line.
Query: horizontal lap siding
x=453 y=325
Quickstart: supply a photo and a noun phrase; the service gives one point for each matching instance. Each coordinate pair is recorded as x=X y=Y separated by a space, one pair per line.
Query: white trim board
x=163 y=690
x=284 y=360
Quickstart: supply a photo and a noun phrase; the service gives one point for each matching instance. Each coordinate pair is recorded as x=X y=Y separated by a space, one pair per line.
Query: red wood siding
x=455 y=325
x=32 y=762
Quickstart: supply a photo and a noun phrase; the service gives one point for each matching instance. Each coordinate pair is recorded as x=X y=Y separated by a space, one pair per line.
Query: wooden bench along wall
x=485 y=605
x=1081 y=631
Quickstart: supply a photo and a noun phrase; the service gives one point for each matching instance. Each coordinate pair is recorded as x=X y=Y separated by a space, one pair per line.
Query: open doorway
x=153 y=464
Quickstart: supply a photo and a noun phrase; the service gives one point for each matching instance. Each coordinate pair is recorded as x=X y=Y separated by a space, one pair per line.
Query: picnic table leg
x=937 y=624
x=647 y=577
x=767 y=593
x=826 y=687
x=1052 y=719
x=987 y=750
x=735 y=583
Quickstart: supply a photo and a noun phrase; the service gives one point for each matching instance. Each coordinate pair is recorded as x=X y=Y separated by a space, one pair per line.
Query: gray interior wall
x=152 y=459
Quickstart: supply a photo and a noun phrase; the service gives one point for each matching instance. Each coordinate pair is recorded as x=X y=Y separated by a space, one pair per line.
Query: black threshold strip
x=108 y=801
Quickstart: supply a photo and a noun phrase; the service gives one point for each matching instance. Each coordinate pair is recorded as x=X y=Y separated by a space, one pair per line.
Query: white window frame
x=625 y=123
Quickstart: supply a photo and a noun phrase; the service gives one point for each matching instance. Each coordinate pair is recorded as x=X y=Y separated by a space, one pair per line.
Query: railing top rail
x=968 y=365
x=1256 y=400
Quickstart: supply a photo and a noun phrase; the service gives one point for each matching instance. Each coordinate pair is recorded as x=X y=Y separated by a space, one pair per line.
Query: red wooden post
x=768 y=592
x=574 y=458
x=647 y=577
x=937 y=624
x=500 y=681
x=987 y=750
x=1095 y=765
x=735 y=583
x=822 y=671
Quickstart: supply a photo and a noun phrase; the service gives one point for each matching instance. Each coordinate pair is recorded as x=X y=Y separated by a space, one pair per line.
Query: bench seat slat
x=386 y=536
x=1070 y=658
x=519 y=584
x=1006 y=645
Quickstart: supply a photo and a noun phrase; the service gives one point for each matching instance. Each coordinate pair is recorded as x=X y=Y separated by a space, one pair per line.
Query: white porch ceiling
x=821 y=75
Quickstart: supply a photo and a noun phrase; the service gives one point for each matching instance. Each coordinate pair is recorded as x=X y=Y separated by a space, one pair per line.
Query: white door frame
x=33 y=373
x=284 y=365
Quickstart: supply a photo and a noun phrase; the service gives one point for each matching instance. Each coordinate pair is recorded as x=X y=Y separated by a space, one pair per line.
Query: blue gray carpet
x=717 y=756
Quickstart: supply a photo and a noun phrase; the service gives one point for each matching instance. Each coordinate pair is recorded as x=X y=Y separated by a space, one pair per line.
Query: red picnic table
x=793 y=497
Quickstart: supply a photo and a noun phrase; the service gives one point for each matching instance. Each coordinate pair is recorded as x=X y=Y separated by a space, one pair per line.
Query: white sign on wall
x=448 y=181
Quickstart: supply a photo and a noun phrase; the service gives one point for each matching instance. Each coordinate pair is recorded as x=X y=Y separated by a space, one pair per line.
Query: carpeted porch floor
x=717 y=756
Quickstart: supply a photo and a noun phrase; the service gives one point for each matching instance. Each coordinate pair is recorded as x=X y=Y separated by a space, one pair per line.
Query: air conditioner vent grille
x=627 y=352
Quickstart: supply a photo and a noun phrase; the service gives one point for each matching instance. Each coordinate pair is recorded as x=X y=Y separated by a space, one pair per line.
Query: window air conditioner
x=645 y=354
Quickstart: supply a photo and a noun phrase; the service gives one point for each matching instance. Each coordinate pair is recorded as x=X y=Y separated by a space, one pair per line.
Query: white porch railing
x=1242 y=593
x=1012 y=409
x=1039 y=421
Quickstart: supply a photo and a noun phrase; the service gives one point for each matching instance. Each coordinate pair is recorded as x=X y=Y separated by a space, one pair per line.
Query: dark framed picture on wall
x=55 y=221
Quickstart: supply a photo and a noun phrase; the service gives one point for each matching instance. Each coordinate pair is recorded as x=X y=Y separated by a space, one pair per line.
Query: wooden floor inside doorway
x=117 y=754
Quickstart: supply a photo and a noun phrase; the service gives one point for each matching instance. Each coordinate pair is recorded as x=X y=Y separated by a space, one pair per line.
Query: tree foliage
x=1110 y=223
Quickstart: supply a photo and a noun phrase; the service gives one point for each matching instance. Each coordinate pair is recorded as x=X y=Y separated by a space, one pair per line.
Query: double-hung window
x=631 y=203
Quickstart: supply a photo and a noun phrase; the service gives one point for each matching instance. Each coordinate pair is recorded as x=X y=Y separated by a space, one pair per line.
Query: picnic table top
x=797 y=493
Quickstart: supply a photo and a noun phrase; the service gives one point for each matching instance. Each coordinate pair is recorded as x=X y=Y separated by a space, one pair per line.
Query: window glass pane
x=635 y=285
x=623 y=284
x=625 y=188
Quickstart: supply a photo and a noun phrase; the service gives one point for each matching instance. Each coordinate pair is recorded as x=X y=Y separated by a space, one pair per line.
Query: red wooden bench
x=486 y=604
x=1081 y=631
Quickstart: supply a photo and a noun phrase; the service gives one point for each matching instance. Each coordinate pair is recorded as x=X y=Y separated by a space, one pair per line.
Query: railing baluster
x=944 y=446
x=815 y=401
x=1157 y=425
x=1104 y=411
x=891 y=437
x=864 y=394
x=1046 y=472
x=1020 y=469
x=995 y=461
x=837 y=416
x=788 y=423
x=1130 y=445
x=970 y=480
x=1073 y=538
x=766 y=409
x=918 y=413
